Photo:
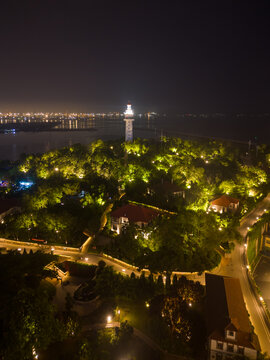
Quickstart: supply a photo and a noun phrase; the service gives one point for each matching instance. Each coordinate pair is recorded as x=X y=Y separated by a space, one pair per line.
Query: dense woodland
x=75 y=188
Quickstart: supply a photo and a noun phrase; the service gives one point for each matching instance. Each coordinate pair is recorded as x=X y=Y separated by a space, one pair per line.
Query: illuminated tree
x=174 y=312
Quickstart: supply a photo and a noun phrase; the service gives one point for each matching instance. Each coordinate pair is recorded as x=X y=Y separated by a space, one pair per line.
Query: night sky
x=182 y=56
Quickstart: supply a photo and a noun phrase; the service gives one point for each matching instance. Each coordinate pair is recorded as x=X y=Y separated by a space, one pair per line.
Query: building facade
x=266 y=238
x=132 y=214
x=229 y=332
x=224 y=203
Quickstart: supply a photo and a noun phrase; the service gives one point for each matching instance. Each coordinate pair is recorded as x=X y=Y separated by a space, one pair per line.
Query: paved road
x=72 y=253
x=235 y=266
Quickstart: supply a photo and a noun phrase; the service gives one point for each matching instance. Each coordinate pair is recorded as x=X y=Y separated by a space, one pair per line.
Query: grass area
x=80 y=269
x=139 y=316
x=136 y=314
x=251 y=251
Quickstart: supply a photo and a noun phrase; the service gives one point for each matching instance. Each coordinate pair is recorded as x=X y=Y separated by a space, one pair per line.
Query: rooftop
x=135 y=213
x=225 y=201
x=225 y=309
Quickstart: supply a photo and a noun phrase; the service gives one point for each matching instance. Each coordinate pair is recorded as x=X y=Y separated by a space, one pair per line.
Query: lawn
x=251 y=250
x=140 y=317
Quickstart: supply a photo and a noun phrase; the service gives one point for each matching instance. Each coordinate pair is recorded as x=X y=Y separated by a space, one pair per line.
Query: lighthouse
x=129 y=123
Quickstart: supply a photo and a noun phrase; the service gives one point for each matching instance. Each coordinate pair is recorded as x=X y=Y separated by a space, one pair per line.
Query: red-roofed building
x=130 y=213
x=224 y=203
x=228 y=328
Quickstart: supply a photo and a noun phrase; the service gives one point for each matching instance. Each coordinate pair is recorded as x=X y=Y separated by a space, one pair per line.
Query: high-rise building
x=129 y=123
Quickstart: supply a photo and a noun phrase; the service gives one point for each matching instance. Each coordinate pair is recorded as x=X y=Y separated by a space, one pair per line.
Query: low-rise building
x=266 y=238
x=224 y=203
x=229 y=332
x=131 y=213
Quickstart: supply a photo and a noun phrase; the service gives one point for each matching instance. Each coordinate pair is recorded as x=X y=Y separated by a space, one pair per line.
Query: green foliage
x=31 y=323
x=187 y=241
x=77 y=186
x=27 y=315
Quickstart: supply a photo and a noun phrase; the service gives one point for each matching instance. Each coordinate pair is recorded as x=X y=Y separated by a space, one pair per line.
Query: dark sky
x=184 y=56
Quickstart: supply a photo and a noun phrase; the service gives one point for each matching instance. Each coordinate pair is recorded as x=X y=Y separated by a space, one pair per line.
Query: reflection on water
x=75 y=124
x=68 y=132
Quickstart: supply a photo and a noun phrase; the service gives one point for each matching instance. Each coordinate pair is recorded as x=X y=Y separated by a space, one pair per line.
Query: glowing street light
x=109 y=319
x=35 y=355
x=56 y=169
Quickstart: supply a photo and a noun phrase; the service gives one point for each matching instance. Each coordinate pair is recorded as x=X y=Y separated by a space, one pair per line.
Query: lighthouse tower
x=129 y=123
